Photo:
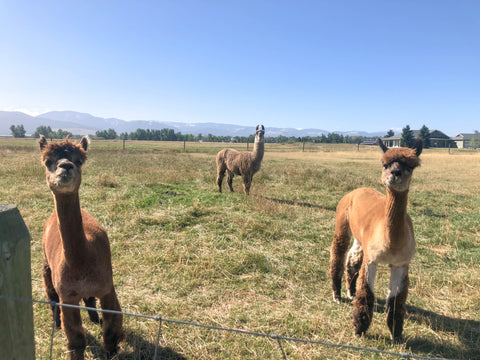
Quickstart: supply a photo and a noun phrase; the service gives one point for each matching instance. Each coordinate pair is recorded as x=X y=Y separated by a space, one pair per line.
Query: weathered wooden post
x=16 y=317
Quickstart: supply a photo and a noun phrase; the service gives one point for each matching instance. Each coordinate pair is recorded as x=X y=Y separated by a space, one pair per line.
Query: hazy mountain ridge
x=87 y=124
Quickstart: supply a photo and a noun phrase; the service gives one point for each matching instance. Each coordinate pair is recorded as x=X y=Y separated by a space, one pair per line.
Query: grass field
x=181 y=250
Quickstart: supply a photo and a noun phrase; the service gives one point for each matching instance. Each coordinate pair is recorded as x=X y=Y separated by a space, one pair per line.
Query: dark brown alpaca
x=242 y=163
x=76 y=251
x=383 y=233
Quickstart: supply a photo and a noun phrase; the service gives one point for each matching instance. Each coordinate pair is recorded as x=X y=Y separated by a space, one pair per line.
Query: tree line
x=407 y=136
x=171 y=135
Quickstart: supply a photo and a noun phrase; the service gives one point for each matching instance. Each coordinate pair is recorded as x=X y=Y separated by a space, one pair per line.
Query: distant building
x=437 y=139
x=464 y=140
x=369 y=142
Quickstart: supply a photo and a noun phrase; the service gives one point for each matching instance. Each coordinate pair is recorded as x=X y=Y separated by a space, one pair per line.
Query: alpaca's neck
x=396 y=212
x=258 y=151
x=71 y=226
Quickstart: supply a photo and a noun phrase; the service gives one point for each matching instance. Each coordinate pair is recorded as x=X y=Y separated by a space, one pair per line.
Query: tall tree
x=407 y=139
x=18 y=131
x=43 y=130
x=390 y=133
x=425 y=135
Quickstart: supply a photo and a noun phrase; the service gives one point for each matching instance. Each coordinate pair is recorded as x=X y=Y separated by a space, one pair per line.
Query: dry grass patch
x=183 y=251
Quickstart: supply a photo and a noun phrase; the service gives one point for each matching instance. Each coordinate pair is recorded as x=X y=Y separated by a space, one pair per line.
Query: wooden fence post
x=16 y=317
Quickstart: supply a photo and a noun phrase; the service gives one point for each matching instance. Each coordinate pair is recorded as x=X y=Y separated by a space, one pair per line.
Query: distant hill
x=86 y=124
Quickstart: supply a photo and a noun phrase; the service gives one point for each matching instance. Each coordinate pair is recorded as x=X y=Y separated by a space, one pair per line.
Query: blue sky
x=333 y=65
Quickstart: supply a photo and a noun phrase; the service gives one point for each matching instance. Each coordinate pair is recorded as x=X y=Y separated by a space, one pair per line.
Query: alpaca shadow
x=298 y=203
x=142 y=349
x=466 y=331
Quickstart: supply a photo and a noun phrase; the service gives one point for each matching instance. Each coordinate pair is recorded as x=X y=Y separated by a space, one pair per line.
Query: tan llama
x=244 y=163
x=383 y=233
x=76 y=251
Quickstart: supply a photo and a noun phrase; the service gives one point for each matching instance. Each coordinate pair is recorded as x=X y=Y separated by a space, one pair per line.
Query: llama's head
x=398 y=165
x=259 y=134
x=63 y=164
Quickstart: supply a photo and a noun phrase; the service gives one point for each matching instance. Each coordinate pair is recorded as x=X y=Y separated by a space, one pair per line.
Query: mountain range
x=85 y=124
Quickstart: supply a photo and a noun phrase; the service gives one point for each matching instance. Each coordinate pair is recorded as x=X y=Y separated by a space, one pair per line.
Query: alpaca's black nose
x=396 y=172
x=65 y=164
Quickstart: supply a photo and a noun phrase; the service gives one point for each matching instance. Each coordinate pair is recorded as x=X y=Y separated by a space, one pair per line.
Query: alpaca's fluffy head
x=63 y=162
x=398 y=165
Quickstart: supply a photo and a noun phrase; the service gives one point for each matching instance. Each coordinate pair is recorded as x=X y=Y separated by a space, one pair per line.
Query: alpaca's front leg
x=247 y=182
x=397 y=297
x=354 y=262
x=72 y=325
x=51 y=293
x=364 y=298
x=112 y=323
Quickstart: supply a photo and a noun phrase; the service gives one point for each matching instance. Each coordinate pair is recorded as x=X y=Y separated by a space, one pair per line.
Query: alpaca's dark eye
x=48 y=163
x=78 y=163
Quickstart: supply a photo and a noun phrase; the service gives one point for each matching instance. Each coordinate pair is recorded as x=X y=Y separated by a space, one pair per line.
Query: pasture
x=183 y=251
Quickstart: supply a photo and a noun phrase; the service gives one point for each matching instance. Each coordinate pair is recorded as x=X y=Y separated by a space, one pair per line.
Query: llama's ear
x=418 y=146
x=42 y=142
x=84 y=143
x=256 y=128
x=263 y=128
x=382 y=145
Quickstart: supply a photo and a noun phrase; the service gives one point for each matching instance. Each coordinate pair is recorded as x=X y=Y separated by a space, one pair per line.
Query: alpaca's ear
x=42 y=142
x=418 y=146
x=84 y=143
x=256 y=128
x=382 y=145
x=263 y=128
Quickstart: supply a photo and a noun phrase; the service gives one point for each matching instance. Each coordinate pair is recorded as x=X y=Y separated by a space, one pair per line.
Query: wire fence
x=278 y=338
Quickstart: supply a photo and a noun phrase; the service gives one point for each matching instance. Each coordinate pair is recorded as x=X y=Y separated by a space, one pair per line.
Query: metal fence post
x=16 y=318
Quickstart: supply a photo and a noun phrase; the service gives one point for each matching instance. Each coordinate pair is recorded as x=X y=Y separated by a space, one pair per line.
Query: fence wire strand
x=276 y=337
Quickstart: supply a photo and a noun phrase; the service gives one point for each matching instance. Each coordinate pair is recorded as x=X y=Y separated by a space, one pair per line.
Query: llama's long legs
x=364 y=298
x=230 y=180
x=112 y=323
x=247 y=182
x=51 y=293
x=72 y=326
x=92 y=314
x=397 y=296
x=354 y=262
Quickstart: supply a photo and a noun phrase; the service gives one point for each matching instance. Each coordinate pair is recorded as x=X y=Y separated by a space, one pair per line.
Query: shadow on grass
x=142 y=350
x=298 y=203
x=466 y=331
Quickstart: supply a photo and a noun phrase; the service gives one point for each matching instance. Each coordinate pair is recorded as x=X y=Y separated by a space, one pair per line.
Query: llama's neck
x=396 y=213
x=258 y=151
x=71 y=226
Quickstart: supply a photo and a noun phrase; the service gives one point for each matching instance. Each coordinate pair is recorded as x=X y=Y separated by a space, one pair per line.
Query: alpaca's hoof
x=337 y=298
x=398 y=340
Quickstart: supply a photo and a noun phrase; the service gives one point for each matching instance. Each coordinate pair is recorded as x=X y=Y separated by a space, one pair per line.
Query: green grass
x=181 y=250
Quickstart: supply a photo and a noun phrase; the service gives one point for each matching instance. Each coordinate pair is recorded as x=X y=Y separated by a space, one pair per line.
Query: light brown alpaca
x=243 y=163
x=383 y=233
x=76 y=251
